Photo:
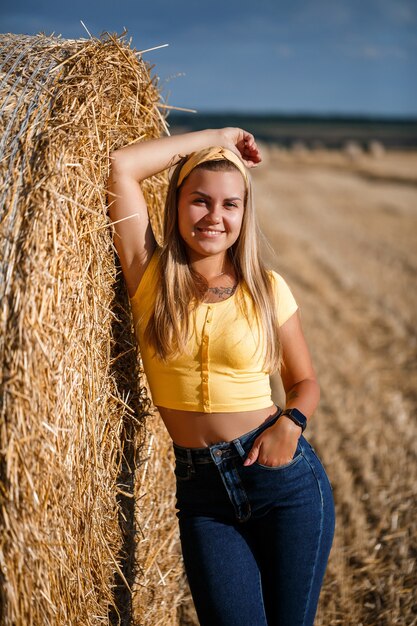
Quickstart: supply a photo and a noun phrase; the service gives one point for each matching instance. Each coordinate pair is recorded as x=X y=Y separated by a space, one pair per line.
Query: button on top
x=218 y=453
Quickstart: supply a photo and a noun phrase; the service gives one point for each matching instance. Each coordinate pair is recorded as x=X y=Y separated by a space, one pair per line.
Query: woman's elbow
x=115 y=160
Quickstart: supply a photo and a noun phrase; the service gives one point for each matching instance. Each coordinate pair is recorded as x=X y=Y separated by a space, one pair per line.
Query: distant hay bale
x=75 y=543
x=277 y=150
x=299 y=148
x=376 y=149
x=352 y=150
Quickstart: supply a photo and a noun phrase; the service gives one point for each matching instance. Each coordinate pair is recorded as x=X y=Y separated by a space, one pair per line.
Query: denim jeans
x=255 y=539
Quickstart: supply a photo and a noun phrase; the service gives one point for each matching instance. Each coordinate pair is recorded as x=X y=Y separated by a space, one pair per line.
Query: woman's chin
x=208 y=248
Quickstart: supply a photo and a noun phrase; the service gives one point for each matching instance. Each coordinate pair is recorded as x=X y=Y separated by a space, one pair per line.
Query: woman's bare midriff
x=198 y=430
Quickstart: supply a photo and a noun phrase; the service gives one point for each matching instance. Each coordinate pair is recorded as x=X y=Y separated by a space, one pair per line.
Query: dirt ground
x=344 y=234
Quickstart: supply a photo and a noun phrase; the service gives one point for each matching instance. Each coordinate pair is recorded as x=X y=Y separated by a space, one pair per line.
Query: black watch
x=297 y=417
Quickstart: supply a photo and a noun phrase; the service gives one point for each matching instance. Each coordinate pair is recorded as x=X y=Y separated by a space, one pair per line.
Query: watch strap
x=297 y=417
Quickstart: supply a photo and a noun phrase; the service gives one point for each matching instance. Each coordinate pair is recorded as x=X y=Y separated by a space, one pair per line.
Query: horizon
x=297 y=114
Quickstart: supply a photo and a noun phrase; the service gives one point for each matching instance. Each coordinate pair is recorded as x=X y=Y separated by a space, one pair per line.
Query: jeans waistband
x=204 y=455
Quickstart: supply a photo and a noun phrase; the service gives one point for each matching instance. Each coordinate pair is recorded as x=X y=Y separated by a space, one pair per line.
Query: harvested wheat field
x=344 y=232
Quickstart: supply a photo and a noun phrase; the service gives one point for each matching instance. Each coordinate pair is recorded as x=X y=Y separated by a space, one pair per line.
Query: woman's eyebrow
x=206 y=195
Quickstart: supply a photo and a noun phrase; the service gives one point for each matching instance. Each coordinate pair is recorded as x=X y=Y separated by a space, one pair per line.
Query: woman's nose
x=215 y=216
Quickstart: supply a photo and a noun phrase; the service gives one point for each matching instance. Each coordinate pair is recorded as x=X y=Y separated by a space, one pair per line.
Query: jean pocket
x=276 y=468
x=182 y=470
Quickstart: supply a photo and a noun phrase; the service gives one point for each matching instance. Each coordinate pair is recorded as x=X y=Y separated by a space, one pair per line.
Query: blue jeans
x=255 y=539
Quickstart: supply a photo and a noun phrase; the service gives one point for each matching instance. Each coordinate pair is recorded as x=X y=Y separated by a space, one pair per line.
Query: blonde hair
x=180 y=288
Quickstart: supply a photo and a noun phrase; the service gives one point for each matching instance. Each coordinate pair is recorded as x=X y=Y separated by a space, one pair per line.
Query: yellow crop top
x=222 y=369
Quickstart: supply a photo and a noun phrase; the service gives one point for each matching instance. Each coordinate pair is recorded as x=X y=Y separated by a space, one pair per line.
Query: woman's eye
x=200 y=200
x=231 y=204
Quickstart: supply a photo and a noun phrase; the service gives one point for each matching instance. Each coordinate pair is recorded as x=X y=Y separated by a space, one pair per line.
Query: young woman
x=254 y=504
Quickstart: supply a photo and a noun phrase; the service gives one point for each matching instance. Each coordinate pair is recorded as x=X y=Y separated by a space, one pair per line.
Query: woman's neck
x=212 y=267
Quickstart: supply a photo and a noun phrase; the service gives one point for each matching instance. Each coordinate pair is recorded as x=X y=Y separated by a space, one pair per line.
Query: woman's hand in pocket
x=276 y=445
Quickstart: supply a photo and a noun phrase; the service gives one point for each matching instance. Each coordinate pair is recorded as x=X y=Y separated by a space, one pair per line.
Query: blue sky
x=292 y=56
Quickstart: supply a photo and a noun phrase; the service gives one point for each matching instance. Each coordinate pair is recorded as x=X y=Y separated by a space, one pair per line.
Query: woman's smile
x=210 y=232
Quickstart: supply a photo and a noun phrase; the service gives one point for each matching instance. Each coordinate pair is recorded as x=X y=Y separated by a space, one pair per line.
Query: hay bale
x=352 y=150
x=376 y=149
x=76 y=542
x=299 y=148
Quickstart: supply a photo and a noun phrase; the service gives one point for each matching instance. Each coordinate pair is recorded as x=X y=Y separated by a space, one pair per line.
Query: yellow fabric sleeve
x=286 y=302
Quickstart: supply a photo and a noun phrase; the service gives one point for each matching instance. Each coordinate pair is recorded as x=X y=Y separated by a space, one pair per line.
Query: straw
x=85 y=538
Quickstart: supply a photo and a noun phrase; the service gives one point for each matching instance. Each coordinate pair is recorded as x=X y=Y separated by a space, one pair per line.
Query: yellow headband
x=211 y=154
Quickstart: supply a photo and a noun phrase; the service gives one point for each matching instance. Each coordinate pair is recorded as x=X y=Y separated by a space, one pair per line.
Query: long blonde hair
x=180 y=288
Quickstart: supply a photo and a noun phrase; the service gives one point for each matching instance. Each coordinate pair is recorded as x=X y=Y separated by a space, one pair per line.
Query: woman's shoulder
x=277 y=279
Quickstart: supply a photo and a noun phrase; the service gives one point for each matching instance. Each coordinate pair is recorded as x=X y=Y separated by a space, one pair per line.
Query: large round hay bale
x=86 y=536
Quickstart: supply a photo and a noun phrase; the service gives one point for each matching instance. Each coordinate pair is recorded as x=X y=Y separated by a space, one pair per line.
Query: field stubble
x=344 y=235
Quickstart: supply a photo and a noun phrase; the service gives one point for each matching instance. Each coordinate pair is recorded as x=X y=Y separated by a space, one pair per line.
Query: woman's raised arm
x=134 y=240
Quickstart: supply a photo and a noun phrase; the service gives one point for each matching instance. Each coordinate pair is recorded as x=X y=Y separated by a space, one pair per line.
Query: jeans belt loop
x=190 y=461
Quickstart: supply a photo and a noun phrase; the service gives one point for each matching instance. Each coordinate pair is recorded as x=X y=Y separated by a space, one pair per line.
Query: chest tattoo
x=222 y=292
